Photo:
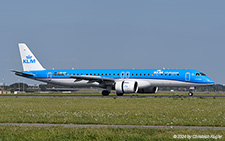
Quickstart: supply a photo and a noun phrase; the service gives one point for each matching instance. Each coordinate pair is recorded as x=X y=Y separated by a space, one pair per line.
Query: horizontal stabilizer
x=22 y=73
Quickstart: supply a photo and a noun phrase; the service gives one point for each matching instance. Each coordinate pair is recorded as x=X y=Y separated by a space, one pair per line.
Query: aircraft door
x=49 y=76
x=122 y=75
x=187 y=76
x=127 y=75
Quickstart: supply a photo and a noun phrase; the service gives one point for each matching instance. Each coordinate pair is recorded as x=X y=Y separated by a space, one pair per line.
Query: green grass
x=70 y=133
x=114 y=110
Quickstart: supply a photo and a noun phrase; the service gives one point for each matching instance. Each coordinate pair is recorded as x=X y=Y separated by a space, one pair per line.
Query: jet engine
x=126 y=86
x=148 y=90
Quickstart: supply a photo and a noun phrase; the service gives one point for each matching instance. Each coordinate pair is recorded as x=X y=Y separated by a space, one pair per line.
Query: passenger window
x=173 y=74
x=105 y=74
x=177 y=74
x=140 y=74
x=132 y=74
x=94 y=73
x=169 y=74
x=144 y=74
x=165 y=74
x=161 y=74
x=113 y=74
x=157 y=74
x=152 y=74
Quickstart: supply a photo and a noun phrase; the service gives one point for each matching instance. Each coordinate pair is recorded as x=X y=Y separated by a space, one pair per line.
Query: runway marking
x=114 y=126
x=176 y=96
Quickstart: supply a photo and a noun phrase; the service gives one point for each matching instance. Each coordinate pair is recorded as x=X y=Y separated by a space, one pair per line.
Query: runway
x=114 y=126
x=125 y=96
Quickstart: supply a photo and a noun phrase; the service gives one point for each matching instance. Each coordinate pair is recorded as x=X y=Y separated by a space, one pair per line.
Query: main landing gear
x=105 y=93
x=119 y=94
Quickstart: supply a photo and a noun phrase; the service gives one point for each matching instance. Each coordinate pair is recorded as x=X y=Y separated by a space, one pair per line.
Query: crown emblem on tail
x=28 y=57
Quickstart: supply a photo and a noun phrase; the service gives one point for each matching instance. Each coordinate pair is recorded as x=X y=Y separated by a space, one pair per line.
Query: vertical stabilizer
x=29 y=61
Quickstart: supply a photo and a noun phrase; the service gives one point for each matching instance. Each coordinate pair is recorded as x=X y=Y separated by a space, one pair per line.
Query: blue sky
x=114 y=34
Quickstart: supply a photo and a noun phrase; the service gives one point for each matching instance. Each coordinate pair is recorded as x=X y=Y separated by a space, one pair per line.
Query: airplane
x=121 y=80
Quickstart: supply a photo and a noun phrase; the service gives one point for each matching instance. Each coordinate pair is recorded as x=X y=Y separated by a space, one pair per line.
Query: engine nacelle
x=126 y=86
x=148 y=90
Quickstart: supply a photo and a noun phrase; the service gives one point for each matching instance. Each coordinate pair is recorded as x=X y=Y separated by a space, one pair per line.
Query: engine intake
x=126 y=86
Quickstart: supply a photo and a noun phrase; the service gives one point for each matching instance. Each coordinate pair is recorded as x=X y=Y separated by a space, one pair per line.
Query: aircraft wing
x=21 y=73
x=92 y=78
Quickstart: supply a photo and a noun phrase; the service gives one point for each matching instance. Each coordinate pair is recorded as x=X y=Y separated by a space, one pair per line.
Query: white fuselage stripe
x=143 y=83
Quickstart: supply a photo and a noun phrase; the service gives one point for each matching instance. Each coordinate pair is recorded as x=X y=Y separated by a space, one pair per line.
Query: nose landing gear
x=190 y=91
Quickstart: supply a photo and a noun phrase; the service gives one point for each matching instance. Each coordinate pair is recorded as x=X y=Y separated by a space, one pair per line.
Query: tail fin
x=29 y=61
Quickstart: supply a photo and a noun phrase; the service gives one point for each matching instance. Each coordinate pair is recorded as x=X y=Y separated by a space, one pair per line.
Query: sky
x=115 y=34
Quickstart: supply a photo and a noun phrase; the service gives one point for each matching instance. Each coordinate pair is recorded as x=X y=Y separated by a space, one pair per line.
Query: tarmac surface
x=114 y=126
x=222 y=96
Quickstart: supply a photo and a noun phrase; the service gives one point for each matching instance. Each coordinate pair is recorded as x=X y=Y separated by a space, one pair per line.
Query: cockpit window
x=202 y=74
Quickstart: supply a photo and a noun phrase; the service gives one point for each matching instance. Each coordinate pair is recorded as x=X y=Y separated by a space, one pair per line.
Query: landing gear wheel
x=105 y=93
x=190 y=94
x=119 y=94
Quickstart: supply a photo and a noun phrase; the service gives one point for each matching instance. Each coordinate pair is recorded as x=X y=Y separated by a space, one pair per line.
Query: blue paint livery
x=163 y=74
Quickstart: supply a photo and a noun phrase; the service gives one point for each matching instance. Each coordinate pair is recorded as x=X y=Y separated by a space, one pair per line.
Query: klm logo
x=158 y=71
x=29 y=60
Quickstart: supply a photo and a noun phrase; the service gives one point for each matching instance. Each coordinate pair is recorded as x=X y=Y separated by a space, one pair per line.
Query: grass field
x=62 y=133
x=105 y=110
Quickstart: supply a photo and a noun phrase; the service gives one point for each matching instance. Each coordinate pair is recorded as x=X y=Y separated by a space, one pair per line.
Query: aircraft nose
x=210 y=81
